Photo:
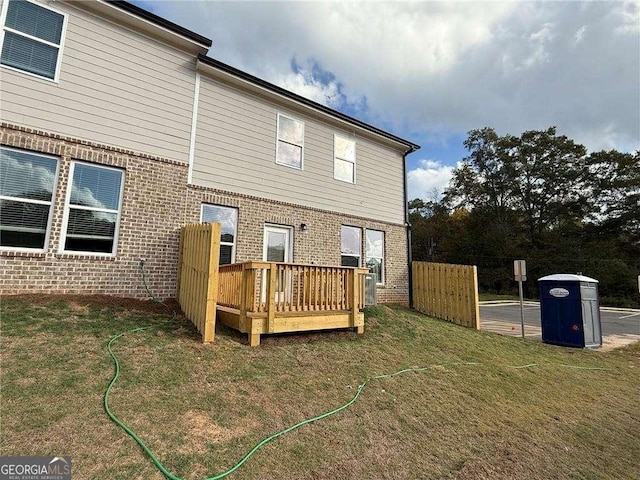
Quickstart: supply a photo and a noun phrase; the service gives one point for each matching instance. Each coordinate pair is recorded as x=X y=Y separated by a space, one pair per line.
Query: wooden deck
x=259 y=298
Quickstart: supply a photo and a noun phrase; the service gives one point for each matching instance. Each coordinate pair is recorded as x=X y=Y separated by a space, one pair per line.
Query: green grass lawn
x=488 y=297
x=202 y=407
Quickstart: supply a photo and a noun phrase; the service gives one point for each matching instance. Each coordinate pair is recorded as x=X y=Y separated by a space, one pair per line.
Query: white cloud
x=304 y=83
x=309 y=88
x=577 y=38
x=429 y=67
x=428 y=180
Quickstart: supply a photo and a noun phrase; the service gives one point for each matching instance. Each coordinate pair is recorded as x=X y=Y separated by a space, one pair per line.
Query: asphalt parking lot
x=619 y=326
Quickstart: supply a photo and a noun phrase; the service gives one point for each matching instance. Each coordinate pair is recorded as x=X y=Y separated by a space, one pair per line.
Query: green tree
x=615 y=187
x=541 y=197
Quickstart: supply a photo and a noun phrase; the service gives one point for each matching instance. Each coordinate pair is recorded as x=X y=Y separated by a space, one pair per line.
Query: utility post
x=520 y=275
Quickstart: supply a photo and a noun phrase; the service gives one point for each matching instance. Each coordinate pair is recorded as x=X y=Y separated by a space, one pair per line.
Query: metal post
x=521 y=306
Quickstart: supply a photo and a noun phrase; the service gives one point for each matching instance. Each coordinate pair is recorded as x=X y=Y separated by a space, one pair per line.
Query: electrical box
x=370 y=289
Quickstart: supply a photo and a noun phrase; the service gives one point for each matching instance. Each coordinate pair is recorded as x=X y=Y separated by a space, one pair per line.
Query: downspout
x=407 y=224
x=194 y=123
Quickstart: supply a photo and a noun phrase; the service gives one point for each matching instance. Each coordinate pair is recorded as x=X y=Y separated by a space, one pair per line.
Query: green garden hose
x=270 y=438
x=262 y=442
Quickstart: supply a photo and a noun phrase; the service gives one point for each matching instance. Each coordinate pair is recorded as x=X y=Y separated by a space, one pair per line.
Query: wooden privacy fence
x=266 y=297
x=198 y=276
x=447 y=291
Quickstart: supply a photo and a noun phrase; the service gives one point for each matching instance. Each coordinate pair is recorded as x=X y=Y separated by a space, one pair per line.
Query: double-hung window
x=290 y=142
x=32 y=38
x=228 y=219
x=344 y=159
x=375 y=254
x=350 y=246
x=27 y=183
x=92 y=209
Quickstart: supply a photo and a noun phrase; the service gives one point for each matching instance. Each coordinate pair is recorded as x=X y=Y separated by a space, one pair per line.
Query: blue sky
x=431 y=71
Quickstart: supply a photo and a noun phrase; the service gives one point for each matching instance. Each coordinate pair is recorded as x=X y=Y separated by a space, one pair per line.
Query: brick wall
x=152 y=212
x=319 y=244
x=156 y=203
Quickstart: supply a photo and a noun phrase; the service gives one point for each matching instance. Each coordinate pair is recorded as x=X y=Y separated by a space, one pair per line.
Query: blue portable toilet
x=570 y=311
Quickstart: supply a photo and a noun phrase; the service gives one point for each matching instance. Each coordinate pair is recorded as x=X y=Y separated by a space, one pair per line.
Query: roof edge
x=162 y=22
x=412 y=147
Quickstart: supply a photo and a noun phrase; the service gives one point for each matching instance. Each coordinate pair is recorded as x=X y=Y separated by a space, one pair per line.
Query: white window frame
x=336 y=157
x=47 y=234
x=60 y=47
x=278 y=140
x=381 y=281
x=359 y=255
x=235 y=234
x=68 y=206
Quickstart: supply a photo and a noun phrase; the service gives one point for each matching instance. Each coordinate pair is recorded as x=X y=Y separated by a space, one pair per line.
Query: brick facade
x=156 y=202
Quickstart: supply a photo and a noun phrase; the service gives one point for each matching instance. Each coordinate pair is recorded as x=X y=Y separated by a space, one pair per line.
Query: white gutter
x=194 y=122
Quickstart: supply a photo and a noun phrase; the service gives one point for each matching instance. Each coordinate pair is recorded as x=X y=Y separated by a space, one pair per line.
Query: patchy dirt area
x=81 y=302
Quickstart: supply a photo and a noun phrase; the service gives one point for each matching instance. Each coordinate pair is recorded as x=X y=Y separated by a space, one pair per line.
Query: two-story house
x=117 y=130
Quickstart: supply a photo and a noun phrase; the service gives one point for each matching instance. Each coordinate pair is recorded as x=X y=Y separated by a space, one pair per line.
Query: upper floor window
x=92 y=209
x=32 y=37
x=290 y=142
x=375 y=254
x=350 y=246
x=228 y=219
x=27 y=183
x=344 y=163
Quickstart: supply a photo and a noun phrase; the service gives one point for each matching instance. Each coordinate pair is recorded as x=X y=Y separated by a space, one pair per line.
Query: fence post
x=179 y=276
x=476 y=304
x=244 y=288
x=212 y=281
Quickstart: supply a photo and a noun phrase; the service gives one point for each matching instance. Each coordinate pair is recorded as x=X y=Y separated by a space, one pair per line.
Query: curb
x=531 y=303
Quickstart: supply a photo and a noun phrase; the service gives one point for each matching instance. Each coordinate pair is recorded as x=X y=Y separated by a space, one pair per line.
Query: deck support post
x=271 y=297
x=353 y=289
x=254 y=339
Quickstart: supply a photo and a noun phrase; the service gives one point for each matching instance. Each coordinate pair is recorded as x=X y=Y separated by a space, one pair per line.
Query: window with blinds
x=228 y=218
x=27 y=183
x=92 y=209
x=350 y=246
x=32 y=38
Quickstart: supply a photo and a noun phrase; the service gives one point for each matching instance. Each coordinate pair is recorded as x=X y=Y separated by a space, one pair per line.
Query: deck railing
x=292 y=287
x=288 y=288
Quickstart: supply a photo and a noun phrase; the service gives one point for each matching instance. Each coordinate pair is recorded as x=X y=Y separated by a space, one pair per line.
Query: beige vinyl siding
x=116 y=87
x=236 y=147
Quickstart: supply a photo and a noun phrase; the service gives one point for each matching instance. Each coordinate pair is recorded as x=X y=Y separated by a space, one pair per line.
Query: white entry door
x=277 y=248
x=277 y=244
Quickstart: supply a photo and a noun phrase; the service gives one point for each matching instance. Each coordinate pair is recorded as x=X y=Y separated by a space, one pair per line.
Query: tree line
x=540 y=197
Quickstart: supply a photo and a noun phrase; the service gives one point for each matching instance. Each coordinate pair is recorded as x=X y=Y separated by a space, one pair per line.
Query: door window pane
x=276 y=246
x=374 y=253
